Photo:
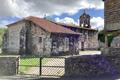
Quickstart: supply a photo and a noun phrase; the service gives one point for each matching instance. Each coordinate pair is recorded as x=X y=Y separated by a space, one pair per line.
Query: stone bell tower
x=85 y=20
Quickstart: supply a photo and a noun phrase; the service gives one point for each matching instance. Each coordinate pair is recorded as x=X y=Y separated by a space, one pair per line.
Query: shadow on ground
x=105 y=77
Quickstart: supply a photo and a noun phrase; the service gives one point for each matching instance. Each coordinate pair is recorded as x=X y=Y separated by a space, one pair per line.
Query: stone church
x=39 y=36
x=89 y=37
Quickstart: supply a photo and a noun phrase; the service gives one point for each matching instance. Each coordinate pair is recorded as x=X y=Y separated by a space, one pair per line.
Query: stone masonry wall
x=112 y=12
x=8 y=65
x=63 y=44
x=90 y=40
x=43 y=46
x=112 y=22
x=111 y=51
x=113 y=55
x=92 y=43
x=90 y=65
x=13 y=43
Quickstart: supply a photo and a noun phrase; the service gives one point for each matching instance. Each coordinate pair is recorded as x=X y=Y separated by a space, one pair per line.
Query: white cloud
x=42 y=7
x=23 y=8
x=97 y=22
x=66 y=20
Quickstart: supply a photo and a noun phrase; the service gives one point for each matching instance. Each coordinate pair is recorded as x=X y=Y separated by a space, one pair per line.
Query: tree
x=101 y=37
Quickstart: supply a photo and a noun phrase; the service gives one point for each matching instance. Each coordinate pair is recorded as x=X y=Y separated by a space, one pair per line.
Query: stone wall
x=64 y=44
x=89 y=65
x=112 y=12
x=43 y=46
x=13 y=38
x=92 y=42
x=114 y=49
x=113 y=55
x=88 y=36
x=116 y=42
x=115 y=60
x=8 y=65
x=111 y=51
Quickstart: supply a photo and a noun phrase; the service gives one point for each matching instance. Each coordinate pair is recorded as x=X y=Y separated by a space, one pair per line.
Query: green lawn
x=26 y=63
x=29 y=61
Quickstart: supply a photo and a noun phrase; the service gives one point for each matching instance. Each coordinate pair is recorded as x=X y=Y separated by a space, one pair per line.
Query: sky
x=64 y=11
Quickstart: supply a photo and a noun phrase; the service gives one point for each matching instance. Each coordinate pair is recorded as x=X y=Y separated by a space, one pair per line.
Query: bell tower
x=85 y=20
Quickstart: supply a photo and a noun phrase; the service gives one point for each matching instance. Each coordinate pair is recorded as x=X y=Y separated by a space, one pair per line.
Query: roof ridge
x=50 y=25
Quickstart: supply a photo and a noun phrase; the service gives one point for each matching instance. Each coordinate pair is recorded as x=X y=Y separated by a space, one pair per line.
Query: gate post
x=40 y=67
x=18 y=64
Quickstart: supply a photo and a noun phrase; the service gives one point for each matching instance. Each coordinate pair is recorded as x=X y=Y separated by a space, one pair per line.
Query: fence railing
x=42 y=66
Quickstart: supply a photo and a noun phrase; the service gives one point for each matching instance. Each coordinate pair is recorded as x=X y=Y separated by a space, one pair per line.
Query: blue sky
x=91 y=12
x=64 y=11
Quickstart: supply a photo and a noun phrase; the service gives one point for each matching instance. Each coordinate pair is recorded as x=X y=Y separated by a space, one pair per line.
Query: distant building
x=33 y=35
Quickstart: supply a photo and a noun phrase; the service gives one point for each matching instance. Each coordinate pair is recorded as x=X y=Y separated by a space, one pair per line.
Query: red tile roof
x=74 y=26
x=50 y=26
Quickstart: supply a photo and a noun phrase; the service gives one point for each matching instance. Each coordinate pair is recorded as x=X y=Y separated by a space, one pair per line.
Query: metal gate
x=30 y=65
x=53 y=66
x=41 y=66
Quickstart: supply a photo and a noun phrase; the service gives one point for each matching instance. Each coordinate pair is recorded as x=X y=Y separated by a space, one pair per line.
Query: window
x=40 y=39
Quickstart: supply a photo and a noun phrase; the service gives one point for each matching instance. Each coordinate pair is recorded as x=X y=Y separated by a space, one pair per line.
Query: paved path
x=19 y=77
x=58 y=78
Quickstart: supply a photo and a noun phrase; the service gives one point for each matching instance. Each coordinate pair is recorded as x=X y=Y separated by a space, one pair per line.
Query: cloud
x=66 y=20
x=96 y=22
x=23 y=8
x=41 y=7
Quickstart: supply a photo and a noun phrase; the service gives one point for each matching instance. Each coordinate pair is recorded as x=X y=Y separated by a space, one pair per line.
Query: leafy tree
x=2 y=31
x=101 y=37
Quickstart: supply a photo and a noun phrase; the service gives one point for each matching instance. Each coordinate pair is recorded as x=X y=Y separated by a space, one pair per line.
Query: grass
x=29 y=61
x=26 y=63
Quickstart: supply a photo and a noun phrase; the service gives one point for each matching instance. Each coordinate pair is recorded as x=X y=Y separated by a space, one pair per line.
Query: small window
x=40 y=39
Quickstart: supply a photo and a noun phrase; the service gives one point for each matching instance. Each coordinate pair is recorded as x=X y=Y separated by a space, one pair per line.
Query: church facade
x=38 y=36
